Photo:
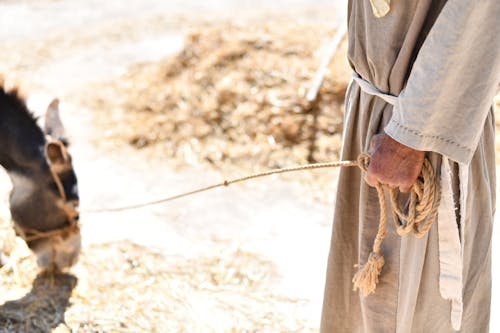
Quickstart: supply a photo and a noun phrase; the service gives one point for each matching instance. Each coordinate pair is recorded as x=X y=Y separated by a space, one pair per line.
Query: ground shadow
x=42 y=309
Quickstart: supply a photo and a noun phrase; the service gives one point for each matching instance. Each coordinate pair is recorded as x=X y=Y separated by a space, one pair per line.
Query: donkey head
x=44 y=199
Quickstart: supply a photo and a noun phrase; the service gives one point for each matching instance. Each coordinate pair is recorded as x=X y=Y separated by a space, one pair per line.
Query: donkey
x=44 y=196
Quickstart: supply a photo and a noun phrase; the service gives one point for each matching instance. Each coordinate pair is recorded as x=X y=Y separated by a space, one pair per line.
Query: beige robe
x=441 y=59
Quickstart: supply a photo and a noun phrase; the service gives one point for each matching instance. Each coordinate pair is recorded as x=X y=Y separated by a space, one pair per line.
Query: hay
x=233 y=100
x=227 y=292
x=234 y=96
x=125 y=287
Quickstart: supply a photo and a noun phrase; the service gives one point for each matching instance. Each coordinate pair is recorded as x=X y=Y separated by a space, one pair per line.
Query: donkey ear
x=53 y=125
x=56 y=152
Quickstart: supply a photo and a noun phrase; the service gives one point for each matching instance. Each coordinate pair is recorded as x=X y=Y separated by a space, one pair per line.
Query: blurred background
x=161 y=97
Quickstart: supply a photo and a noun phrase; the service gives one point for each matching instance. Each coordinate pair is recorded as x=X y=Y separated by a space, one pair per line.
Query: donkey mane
x=21 y=138
x=13 y=106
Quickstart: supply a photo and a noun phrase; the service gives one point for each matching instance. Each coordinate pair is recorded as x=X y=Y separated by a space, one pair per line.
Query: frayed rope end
x=366 y=278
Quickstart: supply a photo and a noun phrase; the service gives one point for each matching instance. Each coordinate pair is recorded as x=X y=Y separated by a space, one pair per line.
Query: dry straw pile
x=235 y=95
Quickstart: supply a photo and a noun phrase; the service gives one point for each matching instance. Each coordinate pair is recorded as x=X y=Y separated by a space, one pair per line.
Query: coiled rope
x=425 y=197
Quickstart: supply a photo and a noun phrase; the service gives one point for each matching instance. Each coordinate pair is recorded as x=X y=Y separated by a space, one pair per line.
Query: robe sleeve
x=453 y=81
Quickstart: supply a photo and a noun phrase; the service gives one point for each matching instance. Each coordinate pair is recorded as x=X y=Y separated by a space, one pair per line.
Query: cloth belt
x=370 y=89
x=451 y=240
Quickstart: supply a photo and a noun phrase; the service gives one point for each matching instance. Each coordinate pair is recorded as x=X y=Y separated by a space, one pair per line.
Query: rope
x=226 y=183
x=425 y=196
x=54 y=235
x=30 y=235
x=421 y=213
x=57 y=180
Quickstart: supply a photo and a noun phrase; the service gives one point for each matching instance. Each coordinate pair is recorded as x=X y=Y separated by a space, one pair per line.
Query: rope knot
x=364 y=161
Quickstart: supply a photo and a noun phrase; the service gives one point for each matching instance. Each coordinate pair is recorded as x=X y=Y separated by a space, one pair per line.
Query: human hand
x=393 y=163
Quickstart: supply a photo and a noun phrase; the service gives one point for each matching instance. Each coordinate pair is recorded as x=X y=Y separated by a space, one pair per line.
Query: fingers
x=371 y=179
x=392 y=174
x=405 y=188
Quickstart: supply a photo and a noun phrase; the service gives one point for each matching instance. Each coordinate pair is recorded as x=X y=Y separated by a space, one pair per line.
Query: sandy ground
x=59 y=47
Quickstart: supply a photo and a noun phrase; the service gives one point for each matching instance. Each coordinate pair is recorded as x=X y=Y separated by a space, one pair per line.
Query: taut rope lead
x=421 y=213
x=227 y=183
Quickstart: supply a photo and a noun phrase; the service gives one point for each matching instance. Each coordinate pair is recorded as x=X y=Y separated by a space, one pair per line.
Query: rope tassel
x=366 y=278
